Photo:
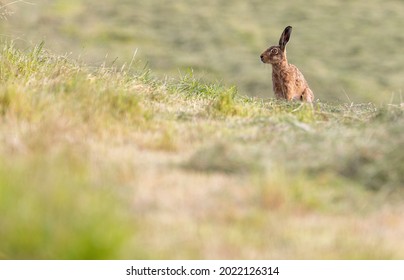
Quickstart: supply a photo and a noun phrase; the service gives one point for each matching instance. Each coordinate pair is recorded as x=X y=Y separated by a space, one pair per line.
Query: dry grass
x=109 y=163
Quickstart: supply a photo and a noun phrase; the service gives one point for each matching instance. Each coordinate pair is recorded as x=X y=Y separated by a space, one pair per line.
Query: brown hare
x=288 y=81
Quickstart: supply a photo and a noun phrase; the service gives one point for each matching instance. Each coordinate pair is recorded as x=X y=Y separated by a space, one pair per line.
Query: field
x=349 y=52
x=102 y=158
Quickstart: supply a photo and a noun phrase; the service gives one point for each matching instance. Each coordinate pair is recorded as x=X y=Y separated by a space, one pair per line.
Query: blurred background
x=349 y=51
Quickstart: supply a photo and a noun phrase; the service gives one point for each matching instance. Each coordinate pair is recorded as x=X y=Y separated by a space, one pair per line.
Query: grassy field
x=348 y=51
x=102 y=158
x=105 y=163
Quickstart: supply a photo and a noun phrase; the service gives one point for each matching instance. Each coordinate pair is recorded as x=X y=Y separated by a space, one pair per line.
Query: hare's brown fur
x=288 y=82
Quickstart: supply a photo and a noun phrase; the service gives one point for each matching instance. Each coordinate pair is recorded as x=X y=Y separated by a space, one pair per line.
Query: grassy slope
x=349 y=49
x=106 y=163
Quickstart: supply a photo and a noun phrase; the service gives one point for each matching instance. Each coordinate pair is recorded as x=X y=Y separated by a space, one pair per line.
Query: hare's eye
x=274 y=51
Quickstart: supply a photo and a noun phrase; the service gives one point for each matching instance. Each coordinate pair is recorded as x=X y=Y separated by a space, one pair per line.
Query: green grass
x=112 y=163
x=347 y=51
x=53 y=208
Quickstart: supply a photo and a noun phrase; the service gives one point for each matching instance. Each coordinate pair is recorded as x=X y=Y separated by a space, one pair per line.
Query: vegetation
x=104 y=162
x=349 y=51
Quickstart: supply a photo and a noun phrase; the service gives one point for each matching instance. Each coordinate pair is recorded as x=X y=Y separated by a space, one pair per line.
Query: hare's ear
x=285 y=37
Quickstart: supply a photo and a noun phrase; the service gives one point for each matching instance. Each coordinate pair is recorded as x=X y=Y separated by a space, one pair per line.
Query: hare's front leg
x=289 y=91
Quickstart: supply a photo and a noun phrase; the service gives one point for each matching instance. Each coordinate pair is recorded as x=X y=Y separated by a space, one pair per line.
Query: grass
x=112 y=163
x=337 y=45
x=55 y=209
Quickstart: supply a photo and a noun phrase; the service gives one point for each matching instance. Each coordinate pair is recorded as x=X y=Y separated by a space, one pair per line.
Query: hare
x=288 y=81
